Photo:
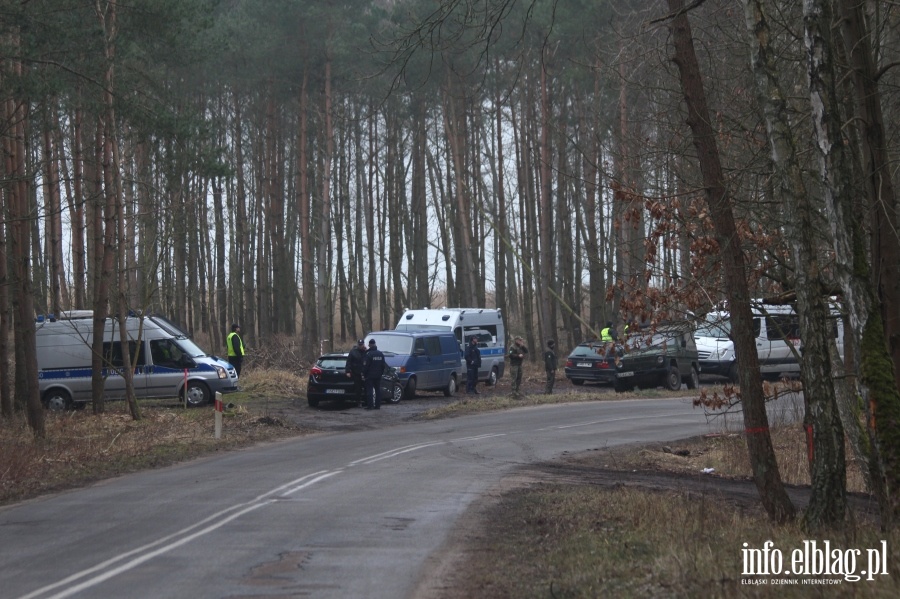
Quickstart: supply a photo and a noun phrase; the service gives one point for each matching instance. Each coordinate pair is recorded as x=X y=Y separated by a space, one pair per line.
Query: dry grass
x=577 y=541
x=81 y=447
x=727 y=455
x=564 y=540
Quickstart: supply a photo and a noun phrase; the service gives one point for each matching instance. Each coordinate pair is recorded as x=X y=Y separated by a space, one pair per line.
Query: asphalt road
x=332 y=515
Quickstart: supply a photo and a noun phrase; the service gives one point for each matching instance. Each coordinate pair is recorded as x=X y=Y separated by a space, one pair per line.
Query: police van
x=486 y=324
x=168 y=364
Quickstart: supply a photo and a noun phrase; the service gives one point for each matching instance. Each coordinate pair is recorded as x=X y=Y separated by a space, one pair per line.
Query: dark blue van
x=425 y=360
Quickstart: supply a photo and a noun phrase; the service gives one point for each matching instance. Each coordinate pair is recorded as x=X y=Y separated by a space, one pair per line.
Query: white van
x=168 y=361
x=484 y=323
x=776 y=329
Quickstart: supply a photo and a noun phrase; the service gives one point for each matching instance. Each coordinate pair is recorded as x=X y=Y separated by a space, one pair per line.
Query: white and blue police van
x=486 y=324
x=165 y=361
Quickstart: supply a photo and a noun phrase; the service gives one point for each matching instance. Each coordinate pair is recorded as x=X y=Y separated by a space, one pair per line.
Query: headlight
x=659 y=359
x=223 y=374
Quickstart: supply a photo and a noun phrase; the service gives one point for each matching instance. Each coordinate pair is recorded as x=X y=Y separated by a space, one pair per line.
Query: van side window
x=433 y=346
x=420 y=347
x=165 y=352
x=112 y=354
x=782 y=327
x=757 y=326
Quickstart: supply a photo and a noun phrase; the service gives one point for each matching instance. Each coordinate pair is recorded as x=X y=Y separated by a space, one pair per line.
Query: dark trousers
x=359 y=387
x=471 y=379
x=373 y=397
x=236 y=362
x=551 y=378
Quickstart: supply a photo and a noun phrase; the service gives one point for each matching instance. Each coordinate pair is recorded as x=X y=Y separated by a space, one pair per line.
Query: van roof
x=418 y=333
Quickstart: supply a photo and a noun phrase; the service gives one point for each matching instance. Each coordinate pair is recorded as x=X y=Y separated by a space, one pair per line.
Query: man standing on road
x=354 y=369
x=473 y=363
x=550 y=365
x=235 y=347
x=372 y=369
x=516 y=357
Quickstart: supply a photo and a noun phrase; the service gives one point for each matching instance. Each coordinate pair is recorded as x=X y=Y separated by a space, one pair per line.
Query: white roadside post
x=219 y=409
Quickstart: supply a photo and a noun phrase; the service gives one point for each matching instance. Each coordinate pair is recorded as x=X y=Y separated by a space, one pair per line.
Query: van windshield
x=394 y=344
x=190 y=348
x=720 y=329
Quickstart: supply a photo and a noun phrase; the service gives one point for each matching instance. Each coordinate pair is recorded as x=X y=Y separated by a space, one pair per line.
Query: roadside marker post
x=220 y=407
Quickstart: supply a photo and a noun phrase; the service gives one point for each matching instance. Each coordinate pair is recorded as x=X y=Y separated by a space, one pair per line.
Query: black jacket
x=355 y=361
x=473 y=356
x=373 y=364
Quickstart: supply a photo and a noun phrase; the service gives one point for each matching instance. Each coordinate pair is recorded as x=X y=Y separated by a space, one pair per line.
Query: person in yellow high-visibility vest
x=608 y=333
x=235 y=346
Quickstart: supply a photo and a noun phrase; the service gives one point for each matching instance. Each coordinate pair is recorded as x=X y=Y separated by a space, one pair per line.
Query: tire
x=197 y=394
x=693 y=381
x=313 y=403
x=450 y=389
x=621 y=386
x=411 y=387
x=578 y=382
x=396 y=393
x=672 y=380
x=57 y=399
x=492 y=377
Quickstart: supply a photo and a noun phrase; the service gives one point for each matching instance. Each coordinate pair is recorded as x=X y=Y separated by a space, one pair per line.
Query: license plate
x=584 y=364
x=334 y=390
x=623 y=375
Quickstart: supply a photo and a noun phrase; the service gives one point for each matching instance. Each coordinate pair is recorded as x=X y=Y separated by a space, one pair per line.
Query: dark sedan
x=592 y=362
x=328 y=382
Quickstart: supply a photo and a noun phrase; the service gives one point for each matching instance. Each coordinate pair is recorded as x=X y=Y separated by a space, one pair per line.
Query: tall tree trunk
x=759 y=441
x=828 y=504
x=419 y=269
x=325 y=312
x=546 y=214
x=309 y=347
x=883 y=208
x=76 y=213
x=19 y=249
x=867 y=328
x=455 y=123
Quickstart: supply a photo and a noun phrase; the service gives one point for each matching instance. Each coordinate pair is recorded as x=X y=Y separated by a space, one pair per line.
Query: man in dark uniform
x=354 y=369
x=550 y=365
x=473 y=363
x=372 y=369
x=516 y=357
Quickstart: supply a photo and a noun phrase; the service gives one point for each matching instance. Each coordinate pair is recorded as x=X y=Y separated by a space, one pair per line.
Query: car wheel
x=492 y=378
x=450 y=389
x=578 y=382
x=693 y=381
x=57 y=399
x=197 y=394
x=411 y=387
x=313 y=403
x=396 y=393
x=672 y=382
x=621 y=386
x=733 y=374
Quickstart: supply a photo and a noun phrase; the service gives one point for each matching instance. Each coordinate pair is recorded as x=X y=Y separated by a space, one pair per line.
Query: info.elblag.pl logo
x=815 y=562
